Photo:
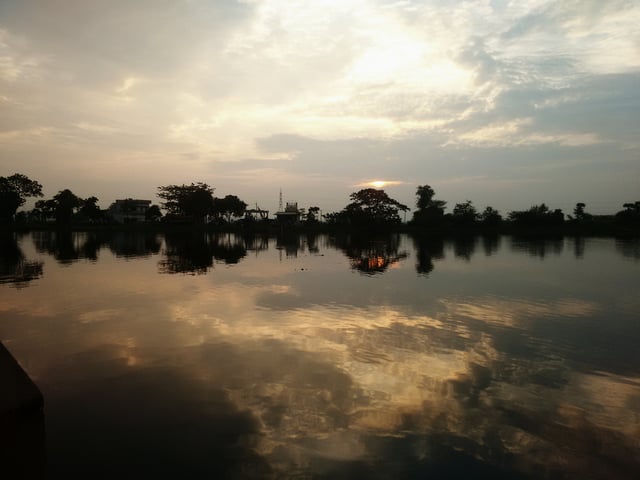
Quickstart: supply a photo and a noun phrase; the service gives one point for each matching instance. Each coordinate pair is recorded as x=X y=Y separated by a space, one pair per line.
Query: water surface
x=319 y=357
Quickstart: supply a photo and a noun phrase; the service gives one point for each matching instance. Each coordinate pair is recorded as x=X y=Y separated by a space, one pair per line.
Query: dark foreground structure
x=22 y=446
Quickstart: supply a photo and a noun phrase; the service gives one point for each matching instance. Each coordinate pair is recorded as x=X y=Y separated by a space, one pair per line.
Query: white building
x=129 y=210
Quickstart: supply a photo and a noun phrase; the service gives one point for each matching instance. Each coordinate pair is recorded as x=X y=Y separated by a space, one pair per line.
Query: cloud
x=204 y=91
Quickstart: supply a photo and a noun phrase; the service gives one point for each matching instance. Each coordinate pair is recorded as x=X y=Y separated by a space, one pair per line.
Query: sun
x=379 y=183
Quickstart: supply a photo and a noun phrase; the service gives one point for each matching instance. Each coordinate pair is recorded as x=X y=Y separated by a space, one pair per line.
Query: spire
x=280 y=207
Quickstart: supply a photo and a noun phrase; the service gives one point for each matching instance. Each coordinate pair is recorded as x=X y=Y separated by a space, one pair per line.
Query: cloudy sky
x=505 y=103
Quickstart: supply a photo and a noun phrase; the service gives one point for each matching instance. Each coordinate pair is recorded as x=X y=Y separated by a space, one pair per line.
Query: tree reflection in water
x=272 y=373
x=15 y=269
x=370 y=256
x=67 y=246
x=195 y=253
x=629 y=248
x=538 y=246
x=490 y=244
x=464 y=246
x=427 y=249
x=135 y=244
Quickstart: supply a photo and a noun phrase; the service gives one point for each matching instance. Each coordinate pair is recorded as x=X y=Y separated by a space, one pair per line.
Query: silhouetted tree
x=579 y=215
x=430 y=211
x=228 y=207
x=312 y=215
x=153 y=213
x=66 y=205
x=62 y=207
x=44 y=210
x=464 y=214
x=21 y=217
x=89 y=209
x=424 y=194
x=537 y=216
x=372 y=207
x=490 y=217
x=194 y=201
x=332 y=218
x=14 y=191
x=630 y=216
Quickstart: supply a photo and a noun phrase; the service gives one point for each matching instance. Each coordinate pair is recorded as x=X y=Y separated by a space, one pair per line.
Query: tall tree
x=228 y=207
x=195 y=200
x=14 y=191
x=490 y=217
x=44 y=210
x=62 y=207
x=66 y=205
x=630 y=215
x=153 y=213
x=424 y=194
x=370 y=206
x=89 y=209
x=537 y=216
x=430 y=211
x=579 y=213
x=312 y=214
x=464 y=214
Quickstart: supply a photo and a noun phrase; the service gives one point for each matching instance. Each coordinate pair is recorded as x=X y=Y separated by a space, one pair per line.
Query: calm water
x=192 y=356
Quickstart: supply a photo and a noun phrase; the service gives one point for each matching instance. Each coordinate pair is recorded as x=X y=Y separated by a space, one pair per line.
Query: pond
x=193 y=355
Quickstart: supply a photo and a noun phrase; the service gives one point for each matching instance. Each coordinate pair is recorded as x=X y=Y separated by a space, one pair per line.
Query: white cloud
x=518 y=132
x=212 y=79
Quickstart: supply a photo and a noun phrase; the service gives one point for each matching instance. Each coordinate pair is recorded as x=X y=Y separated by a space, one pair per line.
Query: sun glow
x=379 y=183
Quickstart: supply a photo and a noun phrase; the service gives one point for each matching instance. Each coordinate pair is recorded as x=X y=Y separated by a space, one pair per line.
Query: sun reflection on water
x=333 y=368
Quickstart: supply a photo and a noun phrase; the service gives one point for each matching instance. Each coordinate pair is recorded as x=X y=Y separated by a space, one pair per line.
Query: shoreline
x=567 y=229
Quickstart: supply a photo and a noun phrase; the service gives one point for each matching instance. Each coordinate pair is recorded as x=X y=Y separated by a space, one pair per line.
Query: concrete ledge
x=20 y=397
x=22 y=432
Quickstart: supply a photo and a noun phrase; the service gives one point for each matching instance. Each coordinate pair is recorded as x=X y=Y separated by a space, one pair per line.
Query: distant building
x=289 y=215
x=129 y=210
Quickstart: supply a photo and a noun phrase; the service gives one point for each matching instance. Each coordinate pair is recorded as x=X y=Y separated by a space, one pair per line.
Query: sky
x=504 y=103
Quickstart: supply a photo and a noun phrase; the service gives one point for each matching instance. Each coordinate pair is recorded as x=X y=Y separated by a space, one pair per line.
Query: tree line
x=195 y=203
x=181 y=203
x=374 y=207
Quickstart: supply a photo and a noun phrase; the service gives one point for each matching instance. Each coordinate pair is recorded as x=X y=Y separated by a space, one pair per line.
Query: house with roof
x=129 y=210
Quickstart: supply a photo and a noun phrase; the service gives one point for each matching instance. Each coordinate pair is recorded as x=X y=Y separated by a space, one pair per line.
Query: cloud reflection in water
x=311 y=370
